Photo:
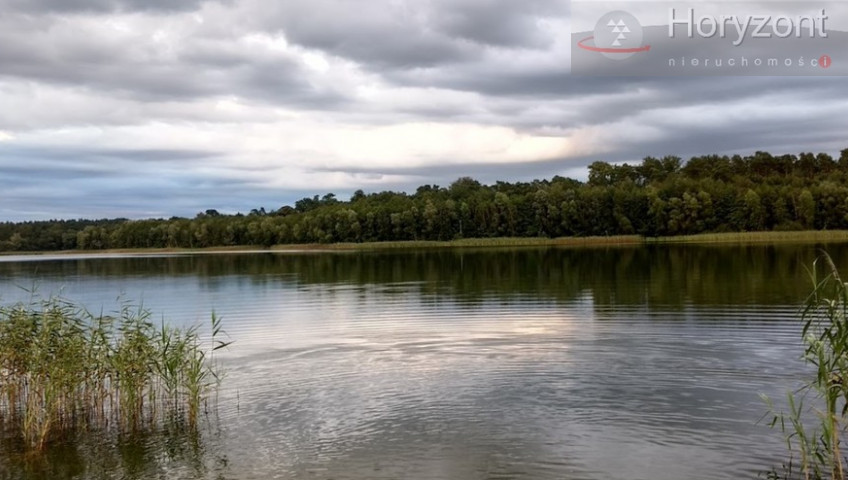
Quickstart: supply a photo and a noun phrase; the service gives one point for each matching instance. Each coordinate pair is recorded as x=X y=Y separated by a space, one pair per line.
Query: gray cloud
x=46 y=183
x=377 y=34
x=409 y=35
x=134 y=66
x=154 y=108
x=500 y=23
x=99 y=6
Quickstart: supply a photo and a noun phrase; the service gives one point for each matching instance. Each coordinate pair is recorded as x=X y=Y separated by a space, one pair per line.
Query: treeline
x=659 y=197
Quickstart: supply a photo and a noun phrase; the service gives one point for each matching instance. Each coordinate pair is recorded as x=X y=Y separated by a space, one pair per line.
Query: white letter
x=711 y=21
x=723 y=25
x=822 y=29
x=812 y=25
x=672 y=21
x=789 y=27
x=758 y=31
x=742 y=30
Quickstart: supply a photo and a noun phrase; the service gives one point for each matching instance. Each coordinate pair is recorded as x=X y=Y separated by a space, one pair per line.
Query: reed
x=822 y=236
x=63 y=369
x=738 y=238
x=499 y=242
x=816 y=424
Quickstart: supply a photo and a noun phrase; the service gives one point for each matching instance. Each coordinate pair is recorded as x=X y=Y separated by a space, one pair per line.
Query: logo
x=709 y=38
x=618 y=35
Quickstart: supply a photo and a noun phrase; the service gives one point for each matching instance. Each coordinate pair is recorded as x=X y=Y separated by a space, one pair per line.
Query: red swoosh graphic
x=582 y=45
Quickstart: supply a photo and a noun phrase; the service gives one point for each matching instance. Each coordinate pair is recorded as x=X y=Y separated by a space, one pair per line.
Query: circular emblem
x=618 y=35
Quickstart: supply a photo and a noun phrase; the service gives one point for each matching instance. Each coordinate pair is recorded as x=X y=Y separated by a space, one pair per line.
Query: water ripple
x=417 y=380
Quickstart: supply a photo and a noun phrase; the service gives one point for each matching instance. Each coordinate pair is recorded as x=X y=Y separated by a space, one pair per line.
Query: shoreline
x=740 y=238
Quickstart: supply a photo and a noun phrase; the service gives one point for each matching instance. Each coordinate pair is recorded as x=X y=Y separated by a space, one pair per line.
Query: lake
x=584 y=363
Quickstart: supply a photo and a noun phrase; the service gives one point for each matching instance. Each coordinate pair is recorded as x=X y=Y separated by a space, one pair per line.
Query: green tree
x=806 y=209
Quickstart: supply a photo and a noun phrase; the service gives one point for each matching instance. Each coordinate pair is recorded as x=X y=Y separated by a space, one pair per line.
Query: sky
x=160 y=108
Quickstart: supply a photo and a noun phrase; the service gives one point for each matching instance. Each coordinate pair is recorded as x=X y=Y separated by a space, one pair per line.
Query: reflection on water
x=531 y=363
x=172 y=452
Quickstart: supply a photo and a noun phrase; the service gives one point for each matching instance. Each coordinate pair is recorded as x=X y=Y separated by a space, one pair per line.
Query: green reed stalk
x=62 y=368
x=825 y=334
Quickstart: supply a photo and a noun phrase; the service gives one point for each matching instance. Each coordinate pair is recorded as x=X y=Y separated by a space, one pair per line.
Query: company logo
x=709 y=38
x=750 y=26
x=618 y=35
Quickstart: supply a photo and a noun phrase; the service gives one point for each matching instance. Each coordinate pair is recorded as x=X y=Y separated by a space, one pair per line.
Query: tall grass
x=744 y=238
x=498 y=242
x=817 y=236
x=815 y=426
x=63 y=369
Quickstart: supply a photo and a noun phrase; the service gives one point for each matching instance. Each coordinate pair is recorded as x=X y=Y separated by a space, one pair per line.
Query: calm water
x=626 y=363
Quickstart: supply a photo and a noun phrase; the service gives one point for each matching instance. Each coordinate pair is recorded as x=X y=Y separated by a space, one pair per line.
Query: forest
x=657 y=198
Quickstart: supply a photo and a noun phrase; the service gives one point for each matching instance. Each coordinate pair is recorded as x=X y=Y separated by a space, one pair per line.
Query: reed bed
x=740 y=238
x=743 y=238
x=63 y=369
x=815 y=427
x=501 y=242
x=823 y=236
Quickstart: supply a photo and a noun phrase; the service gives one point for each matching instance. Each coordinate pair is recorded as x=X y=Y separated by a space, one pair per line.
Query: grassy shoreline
x=811 y=236
x=804 y=237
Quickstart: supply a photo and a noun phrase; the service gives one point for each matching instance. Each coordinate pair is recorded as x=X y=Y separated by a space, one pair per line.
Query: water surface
x=618 y=363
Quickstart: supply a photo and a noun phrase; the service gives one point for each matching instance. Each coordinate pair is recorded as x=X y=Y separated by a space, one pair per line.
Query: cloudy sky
x=154 y=108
